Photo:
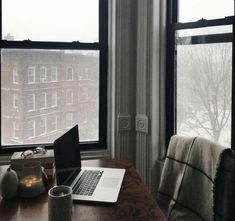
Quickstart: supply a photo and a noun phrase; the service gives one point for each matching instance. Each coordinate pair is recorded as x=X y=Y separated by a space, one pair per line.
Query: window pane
x=47 y=107
x=53 y=20
x=204 y=76
x=193 y=10
x=43 y=74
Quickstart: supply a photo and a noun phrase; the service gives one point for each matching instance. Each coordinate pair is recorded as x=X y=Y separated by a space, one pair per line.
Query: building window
x=54 y=99
x=31 y=75
x=30 y=102
x=83 y=74
x=15 y=100
x=47 y=55
x=15 y=75
x=200 y=70
x=51 y=123
x=52 y=72
x=42 y=100
x=70 y=74
x=16 y=130
x=31 y=128
x=83 y=95
x=83 y=119
x=43 y=74
x=69 y=97
x=42 y=126
x=69 y=120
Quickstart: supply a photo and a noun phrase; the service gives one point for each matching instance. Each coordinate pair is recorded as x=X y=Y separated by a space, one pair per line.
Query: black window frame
x=102 y=46
x=171 y=76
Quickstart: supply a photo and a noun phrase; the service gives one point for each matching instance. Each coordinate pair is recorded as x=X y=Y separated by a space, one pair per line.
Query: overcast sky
x=193 y=10
x=56 y=20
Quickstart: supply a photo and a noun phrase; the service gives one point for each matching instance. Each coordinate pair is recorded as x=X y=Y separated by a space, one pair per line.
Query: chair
x=189 y=180
x=224 y=188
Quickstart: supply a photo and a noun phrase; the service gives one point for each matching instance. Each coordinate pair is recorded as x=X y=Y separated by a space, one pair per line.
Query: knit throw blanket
x=187 y=182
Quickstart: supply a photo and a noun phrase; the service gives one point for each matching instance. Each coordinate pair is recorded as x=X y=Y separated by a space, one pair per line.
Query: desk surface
x=135 y=203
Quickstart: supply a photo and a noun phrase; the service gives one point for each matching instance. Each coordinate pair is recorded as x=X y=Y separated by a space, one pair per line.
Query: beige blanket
x=186 y=186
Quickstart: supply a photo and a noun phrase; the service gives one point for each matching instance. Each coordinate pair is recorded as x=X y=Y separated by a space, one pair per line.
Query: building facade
x=46 y=92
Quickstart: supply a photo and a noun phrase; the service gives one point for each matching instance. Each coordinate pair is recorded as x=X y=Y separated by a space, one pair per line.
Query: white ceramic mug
x=60 y=203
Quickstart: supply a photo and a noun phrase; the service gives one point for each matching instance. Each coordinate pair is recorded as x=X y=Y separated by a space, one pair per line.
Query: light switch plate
x=141 y=123
x=124 y=122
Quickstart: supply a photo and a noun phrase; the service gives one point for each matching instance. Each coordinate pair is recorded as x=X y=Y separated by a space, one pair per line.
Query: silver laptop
x=88 y=183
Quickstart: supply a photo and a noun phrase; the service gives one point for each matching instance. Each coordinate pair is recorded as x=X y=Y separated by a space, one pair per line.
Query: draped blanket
x=186 y=189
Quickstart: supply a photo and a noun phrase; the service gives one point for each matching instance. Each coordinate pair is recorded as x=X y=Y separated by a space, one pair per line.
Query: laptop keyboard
x=87 y=182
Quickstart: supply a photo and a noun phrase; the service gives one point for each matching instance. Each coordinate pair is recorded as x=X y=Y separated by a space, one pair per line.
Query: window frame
x=102 y=47
x=171 y=75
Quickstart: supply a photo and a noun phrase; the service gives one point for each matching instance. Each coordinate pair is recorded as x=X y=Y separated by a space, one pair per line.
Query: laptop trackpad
x=110 y=182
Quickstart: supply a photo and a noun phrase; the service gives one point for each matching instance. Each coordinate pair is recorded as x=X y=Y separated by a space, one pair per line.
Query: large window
x=200 y=70
x=43 y=59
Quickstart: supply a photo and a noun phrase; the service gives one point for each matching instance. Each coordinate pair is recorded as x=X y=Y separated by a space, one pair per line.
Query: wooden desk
x=135 y=203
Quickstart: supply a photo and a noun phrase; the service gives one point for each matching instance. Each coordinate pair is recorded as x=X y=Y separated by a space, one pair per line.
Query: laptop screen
x=67 y=151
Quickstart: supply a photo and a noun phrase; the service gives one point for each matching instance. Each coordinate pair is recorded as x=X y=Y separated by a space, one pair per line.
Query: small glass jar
x=31 y=182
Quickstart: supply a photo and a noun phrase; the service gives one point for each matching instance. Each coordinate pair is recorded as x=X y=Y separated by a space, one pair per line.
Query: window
x=83 y=94
x=54 y=99
x=69 y=120
x=31 y=75
x=31 y=102
x=69 y=97
x=16 y=130
x=15 y=100
x=15 y=75
x=42 y=100
x=69 y=74
x=46 y=52
x=200 y=70
x=43 y=74
x=31 y=129
x=52 y=72
x=83 y=75
x=51 y=123
x=42 y=126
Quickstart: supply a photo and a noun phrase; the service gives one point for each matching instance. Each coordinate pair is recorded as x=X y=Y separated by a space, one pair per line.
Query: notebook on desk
x=88 y=183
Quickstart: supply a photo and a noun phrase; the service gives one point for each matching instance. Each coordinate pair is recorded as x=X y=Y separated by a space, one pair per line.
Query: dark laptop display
x=67 y=154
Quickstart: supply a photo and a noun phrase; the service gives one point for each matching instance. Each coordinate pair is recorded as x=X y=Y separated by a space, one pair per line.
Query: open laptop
x=88 y=183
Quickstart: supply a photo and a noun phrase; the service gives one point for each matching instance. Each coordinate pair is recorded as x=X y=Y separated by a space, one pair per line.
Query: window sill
x=85 y=155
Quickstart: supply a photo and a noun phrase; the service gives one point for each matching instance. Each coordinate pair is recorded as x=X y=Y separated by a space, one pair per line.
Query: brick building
x=45 y=92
